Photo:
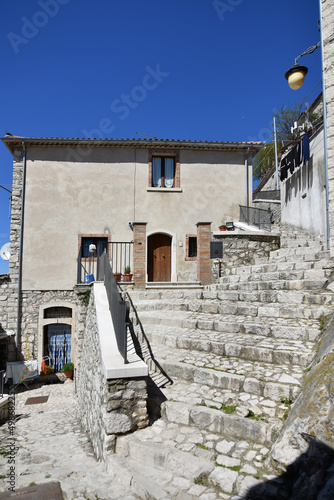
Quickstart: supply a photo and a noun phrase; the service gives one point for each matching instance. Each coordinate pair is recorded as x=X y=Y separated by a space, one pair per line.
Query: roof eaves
x=14 y=141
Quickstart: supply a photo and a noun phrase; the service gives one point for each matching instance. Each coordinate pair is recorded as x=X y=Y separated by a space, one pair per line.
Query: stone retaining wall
x=241 y=250
x=4 y=409
x=107 y=408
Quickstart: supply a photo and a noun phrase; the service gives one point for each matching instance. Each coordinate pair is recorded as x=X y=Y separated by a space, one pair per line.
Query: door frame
x=173 y=278
x=49 y=321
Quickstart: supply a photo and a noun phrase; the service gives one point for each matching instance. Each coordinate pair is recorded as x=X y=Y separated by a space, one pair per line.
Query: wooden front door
x=159 y=257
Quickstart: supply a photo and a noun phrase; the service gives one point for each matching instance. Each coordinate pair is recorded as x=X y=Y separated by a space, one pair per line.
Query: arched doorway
x=159 y=257
x=57 y=344
x=56 y=333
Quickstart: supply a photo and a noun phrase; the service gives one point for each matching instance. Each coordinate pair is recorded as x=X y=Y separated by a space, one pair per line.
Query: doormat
x=51 y=491
x=37 y=400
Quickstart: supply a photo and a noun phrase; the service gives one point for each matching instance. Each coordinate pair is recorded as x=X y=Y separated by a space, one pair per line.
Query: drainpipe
x=325 y=127
x=19 y=284
x=247 y=186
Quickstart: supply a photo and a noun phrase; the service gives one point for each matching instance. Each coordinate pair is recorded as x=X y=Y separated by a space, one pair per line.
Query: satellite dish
x=5 y=251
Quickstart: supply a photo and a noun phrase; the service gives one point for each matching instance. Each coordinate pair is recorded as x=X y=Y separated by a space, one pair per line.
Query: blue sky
x=174 y=69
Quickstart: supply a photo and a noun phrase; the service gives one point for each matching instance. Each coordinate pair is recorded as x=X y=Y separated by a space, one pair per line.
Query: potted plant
x=127 y=276
x=222 y=227
x=68 y=369
x=117 y=276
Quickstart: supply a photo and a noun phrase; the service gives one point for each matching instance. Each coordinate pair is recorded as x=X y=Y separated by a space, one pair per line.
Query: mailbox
x=216 y=249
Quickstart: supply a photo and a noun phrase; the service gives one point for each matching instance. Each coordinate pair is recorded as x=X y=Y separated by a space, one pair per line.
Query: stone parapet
x=108 y=407
x=242 y=250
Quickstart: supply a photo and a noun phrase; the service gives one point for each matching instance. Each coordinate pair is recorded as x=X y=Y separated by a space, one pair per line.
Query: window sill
x=164 y=190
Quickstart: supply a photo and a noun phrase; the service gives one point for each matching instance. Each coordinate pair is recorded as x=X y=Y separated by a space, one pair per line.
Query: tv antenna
x=152 y=136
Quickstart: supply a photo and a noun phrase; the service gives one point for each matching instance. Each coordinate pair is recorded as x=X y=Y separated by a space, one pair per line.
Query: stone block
x=224 y=478
x=117 y=423
x=178 y=413
x=246 y=429
x=227 y=461
x=276 y=391
x=253 y=386
x=207 y=418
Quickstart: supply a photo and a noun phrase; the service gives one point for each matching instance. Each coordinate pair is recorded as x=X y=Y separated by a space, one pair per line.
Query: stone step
x=212 y=456
x=275 y=284
x=305 y=242
x=288 y=267
x=237 y=308
x=304 y=329
x=273 y=272
x=264 y=380
x=271 y=296
x=285 y=256
x=302 y=253
x=244 y=346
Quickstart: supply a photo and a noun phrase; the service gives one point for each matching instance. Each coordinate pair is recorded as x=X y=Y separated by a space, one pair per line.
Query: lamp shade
x=296 y=76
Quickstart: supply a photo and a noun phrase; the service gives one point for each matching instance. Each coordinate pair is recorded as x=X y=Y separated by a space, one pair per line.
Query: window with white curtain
x=163 y=172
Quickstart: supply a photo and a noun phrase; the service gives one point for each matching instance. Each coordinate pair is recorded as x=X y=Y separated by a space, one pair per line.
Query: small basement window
x=191 y=247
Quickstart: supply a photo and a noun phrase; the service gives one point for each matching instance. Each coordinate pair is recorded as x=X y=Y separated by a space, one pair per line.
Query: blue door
x=59 y=345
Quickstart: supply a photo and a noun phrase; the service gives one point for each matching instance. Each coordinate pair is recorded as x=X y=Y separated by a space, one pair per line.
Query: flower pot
x=222 y=228
x=117 y=276
x=127 y=277
x=69 y=374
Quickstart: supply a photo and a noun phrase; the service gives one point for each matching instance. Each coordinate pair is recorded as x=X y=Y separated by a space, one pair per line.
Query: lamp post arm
x=5 y=189
x=309 y=51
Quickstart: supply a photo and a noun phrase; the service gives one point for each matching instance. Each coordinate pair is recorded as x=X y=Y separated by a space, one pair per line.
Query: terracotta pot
x=127 y=277
x=222 y=228
x=117 y=276
x=69 y=374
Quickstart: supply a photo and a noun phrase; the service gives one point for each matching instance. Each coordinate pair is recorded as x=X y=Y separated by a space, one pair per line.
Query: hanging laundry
x=306 y=147
x=284 y=168
x=294 y=158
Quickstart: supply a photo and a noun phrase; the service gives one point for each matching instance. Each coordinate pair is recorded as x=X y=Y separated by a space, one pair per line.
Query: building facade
x=162 y=199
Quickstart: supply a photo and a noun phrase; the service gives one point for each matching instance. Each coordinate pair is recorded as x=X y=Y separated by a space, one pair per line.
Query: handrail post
x=79 y=267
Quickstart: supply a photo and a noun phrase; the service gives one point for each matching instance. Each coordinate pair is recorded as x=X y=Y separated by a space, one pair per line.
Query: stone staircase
x=228 y=362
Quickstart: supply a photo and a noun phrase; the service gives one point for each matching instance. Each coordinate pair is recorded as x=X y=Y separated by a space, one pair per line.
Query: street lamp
x=296 y=74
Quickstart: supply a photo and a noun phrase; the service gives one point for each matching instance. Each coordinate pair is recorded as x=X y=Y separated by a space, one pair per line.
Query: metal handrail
x=256 y=217
x=2 y=377
x=121 y=255
x=119 y=308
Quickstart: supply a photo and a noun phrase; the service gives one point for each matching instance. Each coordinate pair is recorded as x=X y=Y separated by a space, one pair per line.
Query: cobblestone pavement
x=51 y=446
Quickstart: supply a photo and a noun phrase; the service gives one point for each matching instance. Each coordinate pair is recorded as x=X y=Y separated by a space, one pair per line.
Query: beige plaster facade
x=71 y=192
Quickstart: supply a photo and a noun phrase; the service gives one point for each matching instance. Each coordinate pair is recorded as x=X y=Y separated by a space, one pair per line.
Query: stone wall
x=328 y=50
x=4 y=409
x=31 y=300
x=241 y=250
x=6 y=308
x=107 y=408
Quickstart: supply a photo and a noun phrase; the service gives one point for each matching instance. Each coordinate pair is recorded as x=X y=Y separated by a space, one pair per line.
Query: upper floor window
x=164 y=170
